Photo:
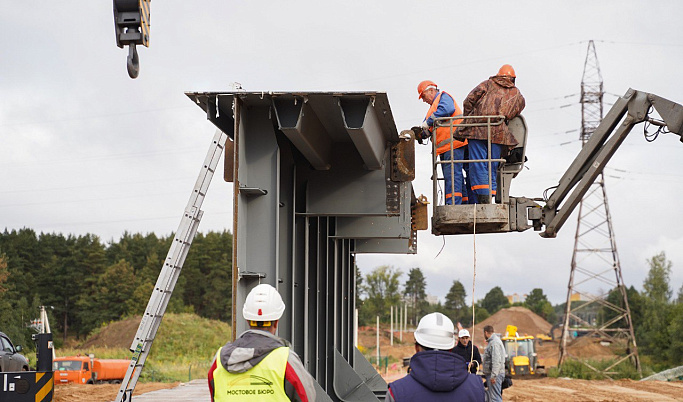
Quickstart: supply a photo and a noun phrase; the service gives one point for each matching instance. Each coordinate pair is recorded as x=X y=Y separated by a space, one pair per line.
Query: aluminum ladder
x=156 y=307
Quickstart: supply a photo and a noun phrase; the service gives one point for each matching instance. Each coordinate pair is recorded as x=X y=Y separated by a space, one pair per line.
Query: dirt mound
x=118 y=334
x=586 y=347
x=526 y=321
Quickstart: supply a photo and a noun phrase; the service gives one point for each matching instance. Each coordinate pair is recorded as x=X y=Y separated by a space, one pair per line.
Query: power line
x=69 y=119
x=89 y=200
x=554 y=98
x=97 y=185
x=423 y=71
x=636 y=43
x=86 y=223
x=106 y=157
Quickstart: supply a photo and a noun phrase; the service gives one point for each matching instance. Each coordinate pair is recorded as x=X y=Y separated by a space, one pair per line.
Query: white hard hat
x=435 y=331
x=263 y=303
x=463 y=332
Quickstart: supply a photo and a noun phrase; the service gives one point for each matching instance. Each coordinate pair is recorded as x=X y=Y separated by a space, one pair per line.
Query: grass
x=183 y=350
x=576 y=369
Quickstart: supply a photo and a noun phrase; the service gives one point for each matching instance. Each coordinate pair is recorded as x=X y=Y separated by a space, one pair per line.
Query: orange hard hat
x=507 y=70
x=421 y=87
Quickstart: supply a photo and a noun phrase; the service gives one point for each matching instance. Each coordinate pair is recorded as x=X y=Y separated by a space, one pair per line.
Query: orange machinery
x=89 y=370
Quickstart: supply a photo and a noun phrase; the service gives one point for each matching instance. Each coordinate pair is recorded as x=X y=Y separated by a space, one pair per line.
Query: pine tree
x=456 y=304
x=415 y=292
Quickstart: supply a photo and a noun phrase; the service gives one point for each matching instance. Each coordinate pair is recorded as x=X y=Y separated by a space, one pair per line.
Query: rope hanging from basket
x=474 y=274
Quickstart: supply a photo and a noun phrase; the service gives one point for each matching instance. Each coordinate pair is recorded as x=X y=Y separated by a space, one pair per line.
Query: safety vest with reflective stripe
x=443 y=134
x=265 y=381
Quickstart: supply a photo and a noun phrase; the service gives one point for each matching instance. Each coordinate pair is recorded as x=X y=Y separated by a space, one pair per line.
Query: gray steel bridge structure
x=318 y=178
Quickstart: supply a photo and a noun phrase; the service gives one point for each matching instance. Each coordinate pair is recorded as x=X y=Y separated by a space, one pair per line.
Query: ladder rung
x=176 y=255
x=163 y=290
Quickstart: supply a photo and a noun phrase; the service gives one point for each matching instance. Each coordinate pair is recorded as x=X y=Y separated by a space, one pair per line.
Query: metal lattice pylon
x=595 y=267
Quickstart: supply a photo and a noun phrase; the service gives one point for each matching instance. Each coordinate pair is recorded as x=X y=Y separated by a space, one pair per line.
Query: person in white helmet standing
x=436 y=374
x=258 y=365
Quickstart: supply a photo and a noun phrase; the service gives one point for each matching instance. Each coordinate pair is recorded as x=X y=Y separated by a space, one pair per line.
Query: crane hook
x=133 y=61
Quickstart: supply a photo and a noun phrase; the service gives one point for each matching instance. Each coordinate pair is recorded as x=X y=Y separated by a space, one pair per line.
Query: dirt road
x=102 y=392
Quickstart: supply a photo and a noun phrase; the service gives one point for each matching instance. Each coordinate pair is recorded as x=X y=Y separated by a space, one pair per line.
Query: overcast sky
x=85 y=149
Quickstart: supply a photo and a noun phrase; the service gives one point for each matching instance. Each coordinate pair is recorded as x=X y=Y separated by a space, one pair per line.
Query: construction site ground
x=533 y=389
x=537 y=388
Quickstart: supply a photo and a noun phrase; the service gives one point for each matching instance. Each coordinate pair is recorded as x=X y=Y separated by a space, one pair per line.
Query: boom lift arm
x=521 y=213
x=603 y=143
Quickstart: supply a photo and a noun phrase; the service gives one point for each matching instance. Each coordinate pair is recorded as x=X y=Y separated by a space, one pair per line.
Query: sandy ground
x=536 y=390
x=102 y=392
x=559 y=389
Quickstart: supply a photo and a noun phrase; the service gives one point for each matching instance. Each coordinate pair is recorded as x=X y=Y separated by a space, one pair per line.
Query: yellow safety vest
x=265 y=381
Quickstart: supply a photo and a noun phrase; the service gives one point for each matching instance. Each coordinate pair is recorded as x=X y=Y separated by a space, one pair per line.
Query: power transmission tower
x=595 y=261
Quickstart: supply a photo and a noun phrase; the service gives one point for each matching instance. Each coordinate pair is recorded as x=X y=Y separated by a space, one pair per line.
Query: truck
x=89 y=370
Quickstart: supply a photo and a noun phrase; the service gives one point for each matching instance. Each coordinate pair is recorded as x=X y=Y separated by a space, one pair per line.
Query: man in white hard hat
x=436 y=374
x=258 y=365
x=468 y=351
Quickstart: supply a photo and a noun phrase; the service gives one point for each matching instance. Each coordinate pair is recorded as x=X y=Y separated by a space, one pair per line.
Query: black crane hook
x=133 y=61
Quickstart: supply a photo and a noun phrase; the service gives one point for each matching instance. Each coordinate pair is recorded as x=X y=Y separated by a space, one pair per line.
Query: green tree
x=635 y=303
x=654 y=334
x=480 y=314
x=382 y=290
x=415 y=292
x=656 y=285
x=455 y=304
x=537 y=302
x=495 y=300
x=110 y=301
x=675 y=354
x=359 y=287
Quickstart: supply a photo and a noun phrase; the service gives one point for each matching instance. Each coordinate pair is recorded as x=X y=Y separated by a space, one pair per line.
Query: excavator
x=520 y=354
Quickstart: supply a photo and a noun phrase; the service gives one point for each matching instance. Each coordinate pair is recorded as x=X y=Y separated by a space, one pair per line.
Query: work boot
x=483 y=199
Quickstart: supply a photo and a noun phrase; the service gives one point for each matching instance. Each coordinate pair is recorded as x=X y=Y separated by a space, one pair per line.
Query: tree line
x=381 y=288
x=656 y=315
x=88 y=283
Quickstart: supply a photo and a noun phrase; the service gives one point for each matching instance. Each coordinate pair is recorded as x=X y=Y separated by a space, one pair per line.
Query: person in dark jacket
x=464 y=349
x=436 y=374
x=497 y=96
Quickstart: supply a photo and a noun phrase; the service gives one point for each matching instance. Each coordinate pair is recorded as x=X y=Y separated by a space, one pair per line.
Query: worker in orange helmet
x=443 y=105
x=496 y=96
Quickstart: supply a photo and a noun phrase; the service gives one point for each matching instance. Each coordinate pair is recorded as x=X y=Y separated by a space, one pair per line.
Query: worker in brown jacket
x=496 y=96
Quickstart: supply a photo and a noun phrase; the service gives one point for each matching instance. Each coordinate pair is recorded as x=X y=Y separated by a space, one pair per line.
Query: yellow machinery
x=520 y=353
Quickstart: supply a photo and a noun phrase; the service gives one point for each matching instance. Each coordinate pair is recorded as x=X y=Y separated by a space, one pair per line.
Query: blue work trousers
x=494 y=392
x=479 y=171
x=452 y=175
x=470 y=197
